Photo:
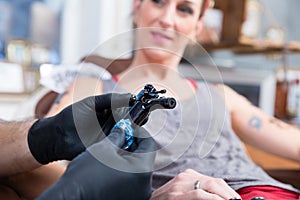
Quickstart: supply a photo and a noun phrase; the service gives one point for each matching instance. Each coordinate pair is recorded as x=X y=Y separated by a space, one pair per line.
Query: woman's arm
x=258 y=129
x=82 y=87
x=31 y=184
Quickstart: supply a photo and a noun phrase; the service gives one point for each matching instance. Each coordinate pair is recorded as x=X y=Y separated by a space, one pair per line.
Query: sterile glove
x=67 y=134
x=106 y=172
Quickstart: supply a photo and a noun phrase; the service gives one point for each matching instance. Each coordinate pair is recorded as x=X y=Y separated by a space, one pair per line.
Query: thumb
x=144 y=142
x=117 y=136
x=122 y=133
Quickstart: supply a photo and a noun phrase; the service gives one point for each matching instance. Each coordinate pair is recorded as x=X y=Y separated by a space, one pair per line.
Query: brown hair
x=205 y=3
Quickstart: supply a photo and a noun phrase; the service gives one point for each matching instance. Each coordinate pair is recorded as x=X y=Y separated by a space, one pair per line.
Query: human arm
x=28 y=144
x=31 y=184
x=182 y=188
x=79 y=89
x=15 y=154
x=260 y=130
x=104 y=171
x=65 y=135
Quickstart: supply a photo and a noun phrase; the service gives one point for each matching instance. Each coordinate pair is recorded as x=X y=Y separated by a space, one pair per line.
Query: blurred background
x=254 y=44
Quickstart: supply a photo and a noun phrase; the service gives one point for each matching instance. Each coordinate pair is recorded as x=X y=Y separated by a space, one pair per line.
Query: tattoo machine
x=146 y=101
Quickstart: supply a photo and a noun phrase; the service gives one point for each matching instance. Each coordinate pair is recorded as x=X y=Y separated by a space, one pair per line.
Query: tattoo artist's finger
x=199 y=194
x=111 y=100
x=117 y=137
x=120 y=100
x=145 y=143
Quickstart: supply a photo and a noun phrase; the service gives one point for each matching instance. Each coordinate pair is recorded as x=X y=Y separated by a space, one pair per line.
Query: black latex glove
x=106 y=172
x=67 y=134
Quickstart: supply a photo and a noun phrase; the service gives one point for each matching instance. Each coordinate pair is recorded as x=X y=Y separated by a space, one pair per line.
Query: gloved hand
x=104 y=171
x=67 y=134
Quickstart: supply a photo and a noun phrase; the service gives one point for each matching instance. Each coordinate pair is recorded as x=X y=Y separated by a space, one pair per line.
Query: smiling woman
x=164 y=29
x=161 y=22
x=211 y=137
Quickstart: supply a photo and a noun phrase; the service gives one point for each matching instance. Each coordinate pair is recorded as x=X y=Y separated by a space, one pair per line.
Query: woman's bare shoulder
x=233 y=100
x=80 y=88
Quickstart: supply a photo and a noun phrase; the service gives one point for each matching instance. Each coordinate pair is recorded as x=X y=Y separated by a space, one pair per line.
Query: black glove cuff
x=40 y=142
x=49 y=142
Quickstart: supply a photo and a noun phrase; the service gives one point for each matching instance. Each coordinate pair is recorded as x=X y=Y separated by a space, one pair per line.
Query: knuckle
x=188 y=171
x=175 y=188
x=210 y=184
x=200 y=194
x=170 y=196
x=180 y=177
x=220 y=181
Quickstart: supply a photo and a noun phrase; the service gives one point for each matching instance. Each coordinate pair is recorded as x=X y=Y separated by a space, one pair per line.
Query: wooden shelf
x=255 y=46
x=234 y=15
x=233 y=18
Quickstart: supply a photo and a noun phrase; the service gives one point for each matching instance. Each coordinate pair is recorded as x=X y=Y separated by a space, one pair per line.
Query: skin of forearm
x=260 y=130
x=282 y=138
x=292 y=132
x=292 y=137
x=14 y=151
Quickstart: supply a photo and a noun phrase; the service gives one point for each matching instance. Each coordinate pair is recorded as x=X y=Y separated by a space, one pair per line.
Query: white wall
x=88 y=23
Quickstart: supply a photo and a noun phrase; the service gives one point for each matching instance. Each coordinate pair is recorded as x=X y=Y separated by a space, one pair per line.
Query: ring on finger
x=197 y=185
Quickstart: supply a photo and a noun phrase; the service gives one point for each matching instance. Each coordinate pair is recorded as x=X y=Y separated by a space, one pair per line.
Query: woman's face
x=167 y=24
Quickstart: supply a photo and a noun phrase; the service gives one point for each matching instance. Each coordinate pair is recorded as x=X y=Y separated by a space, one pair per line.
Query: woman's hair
x=205 y=3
